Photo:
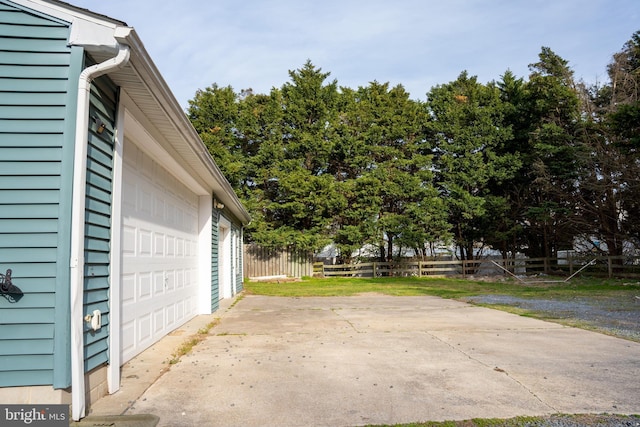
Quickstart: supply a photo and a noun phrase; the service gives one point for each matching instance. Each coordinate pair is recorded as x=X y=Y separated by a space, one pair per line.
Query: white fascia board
x=94 y=36
x=86 y=29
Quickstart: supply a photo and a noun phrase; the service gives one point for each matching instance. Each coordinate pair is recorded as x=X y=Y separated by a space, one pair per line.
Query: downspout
x=77 y=219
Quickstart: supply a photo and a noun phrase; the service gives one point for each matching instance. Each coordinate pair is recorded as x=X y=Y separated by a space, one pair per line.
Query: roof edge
x=100 y=33
x=149 y=73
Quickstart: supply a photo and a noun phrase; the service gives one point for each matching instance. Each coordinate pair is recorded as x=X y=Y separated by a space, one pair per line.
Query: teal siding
x=98 y=218
x=37 y=104
x=241 y=261
x=237 y=257
x=215 y=252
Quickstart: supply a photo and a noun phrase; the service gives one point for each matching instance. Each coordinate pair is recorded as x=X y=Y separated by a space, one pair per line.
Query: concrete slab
x=349 y=361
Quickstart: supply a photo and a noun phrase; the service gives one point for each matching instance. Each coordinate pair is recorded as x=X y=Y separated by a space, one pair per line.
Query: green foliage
x=469 y=130
x=518 y=165
x=625 y=122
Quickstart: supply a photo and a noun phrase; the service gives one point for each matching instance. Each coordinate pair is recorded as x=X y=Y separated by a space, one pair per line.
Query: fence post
x=610 y=266
x=570 y=260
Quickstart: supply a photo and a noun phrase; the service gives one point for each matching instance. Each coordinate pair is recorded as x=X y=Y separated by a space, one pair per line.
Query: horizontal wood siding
x=35 y=65
x=98 y=217
x=237 y=257
x=215 y=261
x=240 y=260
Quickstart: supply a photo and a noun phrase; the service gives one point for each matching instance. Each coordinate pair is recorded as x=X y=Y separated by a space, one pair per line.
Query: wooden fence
x=261 y=262
x=519 y=268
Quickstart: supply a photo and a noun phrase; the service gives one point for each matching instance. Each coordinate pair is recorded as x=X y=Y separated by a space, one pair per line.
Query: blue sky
x=416 y=43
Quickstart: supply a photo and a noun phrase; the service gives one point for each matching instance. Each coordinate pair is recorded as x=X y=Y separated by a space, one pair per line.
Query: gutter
x=78 y=216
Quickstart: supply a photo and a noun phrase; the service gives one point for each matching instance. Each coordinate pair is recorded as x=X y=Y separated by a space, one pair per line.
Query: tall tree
x=214 y=113
x=624 y=123
x=468 y=131
x=518 y=165
x=391 y=172
x=553 y=155
x=506 y=230
x=302 y=196
x=610 y=186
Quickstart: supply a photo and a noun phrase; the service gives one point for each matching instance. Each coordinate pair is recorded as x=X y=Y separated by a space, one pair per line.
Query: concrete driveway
x=372 y=359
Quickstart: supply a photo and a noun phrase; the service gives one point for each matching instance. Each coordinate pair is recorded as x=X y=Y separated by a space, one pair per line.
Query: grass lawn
x=444 y=287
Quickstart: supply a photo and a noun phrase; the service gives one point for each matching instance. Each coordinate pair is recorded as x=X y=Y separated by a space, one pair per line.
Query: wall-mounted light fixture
x=8 y=290
x=99 y=125
x=218 y=204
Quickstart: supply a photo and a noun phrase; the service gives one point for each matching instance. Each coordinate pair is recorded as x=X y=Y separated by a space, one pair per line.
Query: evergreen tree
x=386 y=168
x=521 y=166
x=553 y=155
x=468 y=132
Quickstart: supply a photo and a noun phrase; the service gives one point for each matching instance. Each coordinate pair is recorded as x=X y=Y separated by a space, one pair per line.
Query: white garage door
x=159 y=249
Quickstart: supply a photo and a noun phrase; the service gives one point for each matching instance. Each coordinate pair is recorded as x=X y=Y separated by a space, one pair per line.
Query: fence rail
x=261 y=262
x=602 y=266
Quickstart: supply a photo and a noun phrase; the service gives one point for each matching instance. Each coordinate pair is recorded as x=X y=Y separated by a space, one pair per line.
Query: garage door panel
x=180 y=310
x=144 y=204
x=128 y=241
x=144 y=287
x=180 y=279
x=128 y=289
x=144 y=242
x=159 y=239
x=170 y=279
x=171 y=314
x=159 y=208
x=144 y=328
x=158 y=320
x=128 y=191
x=158 y=244
x=171 y=246
x=158 y=283
x=128 y=336
x=179 y=247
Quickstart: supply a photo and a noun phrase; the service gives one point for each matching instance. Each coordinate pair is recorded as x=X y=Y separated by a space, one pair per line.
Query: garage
x=159 y=276
x=116 y=206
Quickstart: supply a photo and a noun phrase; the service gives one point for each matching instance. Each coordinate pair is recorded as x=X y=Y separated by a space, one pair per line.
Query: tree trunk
x=383 y=256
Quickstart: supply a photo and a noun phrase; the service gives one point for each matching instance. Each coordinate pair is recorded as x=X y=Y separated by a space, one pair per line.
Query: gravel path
x=602 y=420
x=615 y=316
x=619 y=317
